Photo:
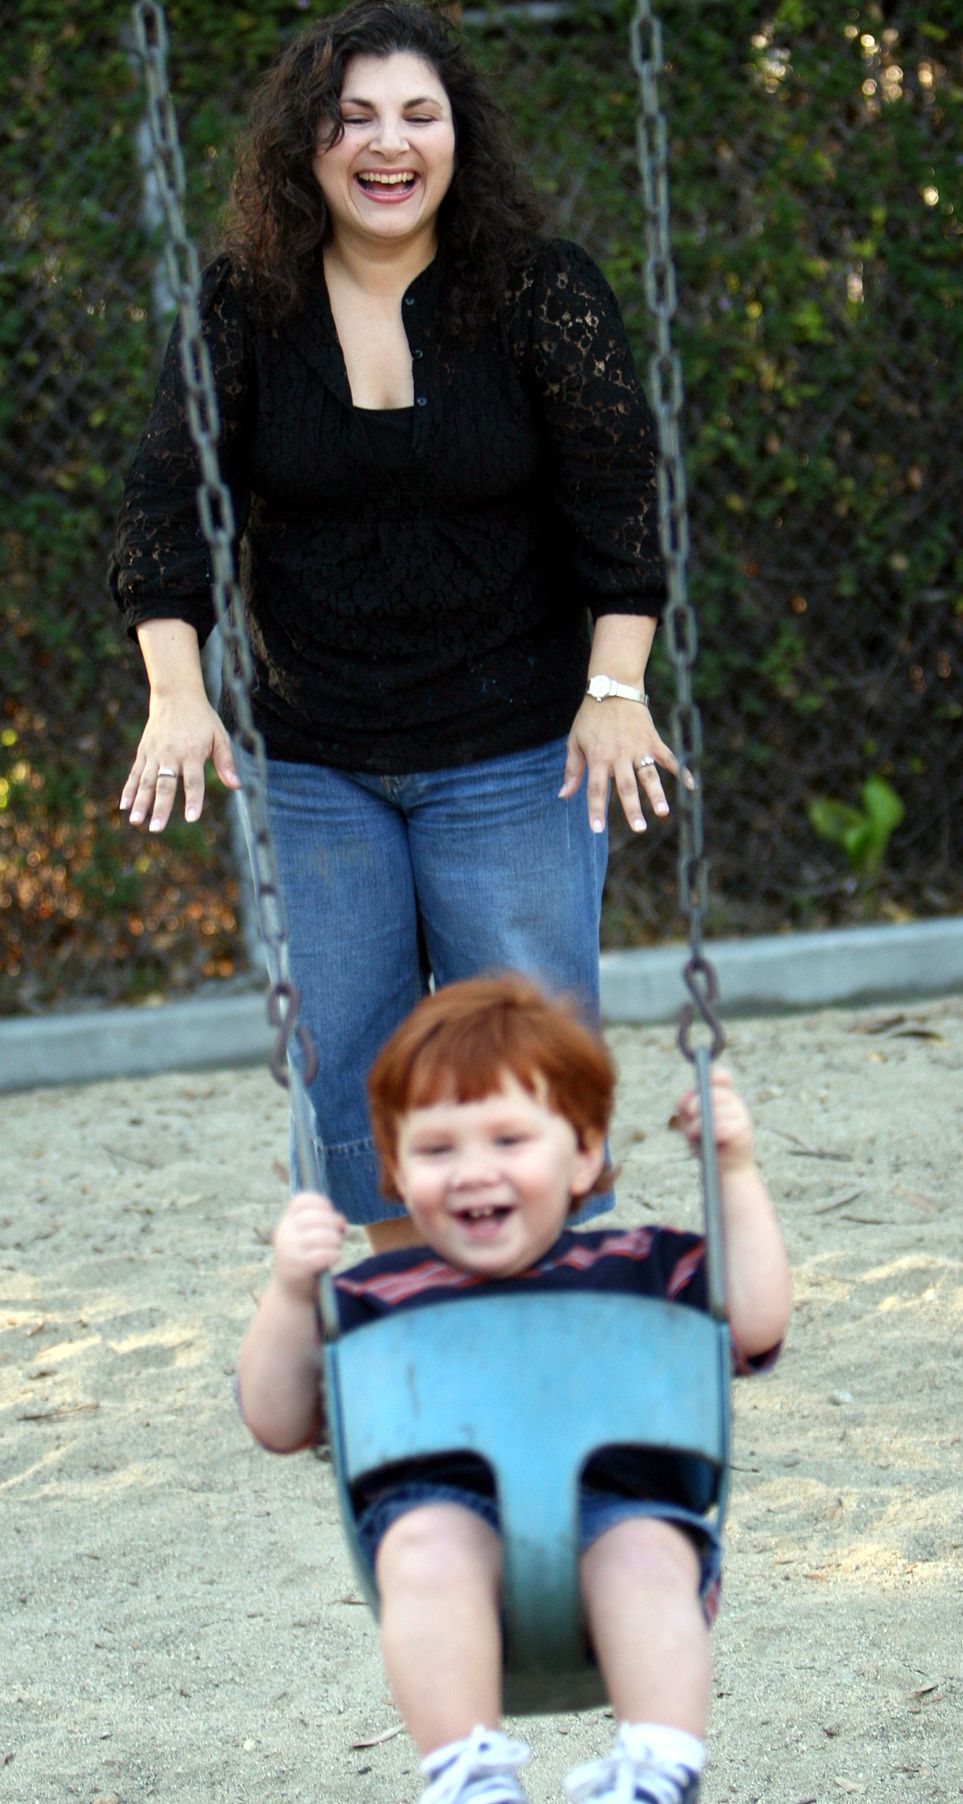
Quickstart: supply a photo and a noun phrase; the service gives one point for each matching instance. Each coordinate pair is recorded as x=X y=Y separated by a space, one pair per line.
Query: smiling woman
x=443 y=477
x=395 y=143
x=384 y=171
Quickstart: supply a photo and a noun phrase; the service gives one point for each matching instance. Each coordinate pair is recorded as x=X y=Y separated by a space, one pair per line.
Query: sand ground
x=180 y=1619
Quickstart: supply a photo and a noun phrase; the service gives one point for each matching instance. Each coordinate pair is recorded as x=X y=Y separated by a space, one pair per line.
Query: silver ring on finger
x=165 y=771
x=646 y=764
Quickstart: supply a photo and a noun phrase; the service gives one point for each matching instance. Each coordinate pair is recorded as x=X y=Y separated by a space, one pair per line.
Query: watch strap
x=595 y=689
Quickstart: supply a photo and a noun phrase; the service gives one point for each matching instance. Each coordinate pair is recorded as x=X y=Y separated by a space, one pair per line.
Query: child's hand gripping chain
x=757 y=1275
x=277 y=1366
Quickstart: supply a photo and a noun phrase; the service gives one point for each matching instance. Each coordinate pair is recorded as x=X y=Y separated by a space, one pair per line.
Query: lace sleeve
x=159 y=566
x=599 y=432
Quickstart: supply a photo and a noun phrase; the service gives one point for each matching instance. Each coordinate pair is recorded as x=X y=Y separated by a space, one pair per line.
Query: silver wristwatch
x=599 y=687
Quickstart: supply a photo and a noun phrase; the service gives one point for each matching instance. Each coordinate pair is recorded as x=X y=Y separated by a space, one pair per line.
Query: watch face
x=599 y=687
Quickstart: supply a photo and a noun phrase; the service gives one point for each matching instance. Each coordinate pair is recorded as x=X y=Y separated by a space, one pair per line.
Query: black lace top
x=408 y=613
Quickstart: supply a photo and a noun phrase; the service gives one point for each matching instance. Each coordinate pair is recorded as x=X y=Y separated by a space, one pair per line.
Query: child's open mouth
x=387 y=185
x=485 y=1219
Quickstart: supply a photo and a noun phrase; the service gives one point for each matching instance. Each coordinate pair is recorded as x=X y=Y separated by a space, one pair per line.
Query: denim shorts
x=392 y=881
x=599 y=1511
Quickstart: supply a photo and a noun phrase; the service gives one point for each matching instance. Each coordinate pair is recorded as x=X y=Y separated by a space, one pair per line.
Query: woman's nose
x=389 y=137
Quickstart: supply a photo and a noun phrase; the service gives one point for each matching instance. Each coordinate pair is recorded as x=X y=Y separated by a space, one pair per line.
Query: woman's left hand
x=617 y=742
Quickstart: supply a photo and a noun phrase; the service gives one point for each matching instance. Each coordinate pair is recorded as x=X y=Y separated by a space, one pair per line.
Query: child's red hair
x=458 y=1044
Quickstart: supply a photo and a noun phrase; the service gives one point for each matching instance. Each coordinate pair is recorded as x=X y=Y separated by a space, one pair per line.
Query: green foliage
x=862 y=833
x=815 y=209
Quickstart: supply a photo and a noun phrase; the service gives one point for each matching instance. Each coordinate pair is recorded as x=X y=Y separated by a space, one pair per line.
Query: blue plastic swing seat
x=534 y=1385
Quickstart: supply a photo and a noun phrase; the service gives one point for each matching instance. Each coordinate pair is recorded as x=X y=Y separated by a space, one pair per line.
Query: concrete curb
x=133 y=1042
x=792 y=971
x=781 y=971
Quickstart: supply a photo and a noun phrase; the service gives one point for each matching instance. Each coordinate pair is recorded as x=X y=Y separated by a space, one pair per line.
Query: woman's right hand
x=181 y=734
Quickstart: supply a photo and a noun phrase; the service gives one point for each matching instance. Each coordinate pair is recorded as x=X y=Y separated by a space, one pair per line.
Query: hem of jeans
x=368 y=1215
x=361 y=1212
x=592 y=1206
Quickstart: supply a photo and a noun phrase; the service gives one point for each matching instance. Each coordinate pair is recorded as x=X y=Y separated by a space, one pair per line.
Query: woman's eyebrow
x=359 y=100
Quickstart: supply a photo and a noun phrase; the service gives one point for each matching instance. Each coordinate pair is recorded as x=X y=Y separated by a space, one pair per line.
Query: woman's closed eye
x=409 y=119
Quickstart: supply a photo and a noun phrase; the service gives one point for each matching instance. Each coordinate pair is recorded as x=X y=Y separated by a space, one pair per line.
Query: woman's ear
x=589 y=1160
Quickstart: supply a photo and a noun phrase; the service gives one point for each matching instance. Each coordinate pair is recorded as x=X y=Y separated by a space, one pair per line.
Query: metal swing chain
x=216 y=513
x=681 y=628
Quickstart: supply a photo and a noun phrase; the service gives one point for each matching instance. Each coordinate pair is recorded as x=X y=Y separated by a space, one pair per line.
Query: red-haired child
x=490 y=1106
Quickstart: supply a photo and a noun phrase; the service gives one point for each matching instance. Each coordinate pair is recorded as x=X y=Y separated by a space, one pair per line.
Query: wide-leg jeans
x=391 y=882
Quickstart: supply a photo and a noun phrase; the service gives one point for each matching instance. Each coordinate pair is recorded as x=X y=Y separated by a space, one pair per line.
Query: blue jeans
x=391 y=881
x=598 y=1511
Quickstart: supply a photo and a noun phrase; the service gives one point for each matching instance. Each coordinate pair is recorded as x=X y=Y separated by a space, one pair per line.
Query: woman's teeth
x=369 y=178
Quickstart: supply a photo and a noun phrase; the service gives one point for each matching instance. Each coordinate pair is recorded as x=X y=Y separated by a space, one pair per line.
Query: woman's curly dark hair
x=277 y=220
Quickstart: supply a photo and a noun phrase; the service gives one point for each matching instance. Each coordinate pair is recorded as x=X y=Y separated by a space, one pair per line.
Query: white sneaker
x=630 y=1775
x=479 y=1770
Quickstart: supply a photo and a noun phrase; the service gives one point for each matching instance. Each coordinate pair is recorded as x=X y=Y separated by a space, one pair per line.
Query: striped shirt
x=651 y=1262
x=643 y=1261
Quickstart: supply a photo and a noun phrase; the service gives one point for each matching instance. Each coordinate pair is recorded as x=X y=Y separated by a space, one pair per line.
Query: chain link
x=680 y=624
x=216 y=513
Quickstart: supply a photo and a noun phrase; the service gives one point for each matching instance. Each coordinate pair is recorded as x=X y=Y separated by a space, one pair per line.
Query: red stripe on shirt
x=684 y=1269
x=434 y=1274
x=396 y=1287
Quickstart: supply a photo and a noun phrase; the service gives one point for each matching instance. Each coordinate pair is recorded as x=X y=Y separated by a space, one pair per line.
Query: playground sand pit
x=181 y=1622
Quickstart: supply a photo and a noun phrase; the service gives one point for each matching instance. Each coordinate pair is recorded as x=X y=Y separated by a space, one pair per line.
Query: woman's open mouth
x=387 y=184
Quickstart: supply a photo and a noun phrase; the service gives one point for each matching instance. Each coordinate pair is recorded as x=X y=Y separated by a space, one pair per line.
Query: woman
x=441 y=461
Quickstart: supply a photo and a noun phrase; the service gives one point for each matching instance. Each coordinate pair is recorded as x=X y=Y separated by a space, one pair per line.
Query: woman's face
x=387 y=175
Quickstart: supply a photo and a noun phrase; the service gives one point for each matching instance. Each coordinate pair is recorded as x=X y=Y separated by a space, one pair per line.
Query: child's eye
x=517 y=1139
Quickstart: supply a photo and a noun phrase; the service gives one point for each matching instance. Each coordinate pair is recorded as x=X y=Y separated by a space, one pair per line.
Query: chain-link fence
x=815 y=154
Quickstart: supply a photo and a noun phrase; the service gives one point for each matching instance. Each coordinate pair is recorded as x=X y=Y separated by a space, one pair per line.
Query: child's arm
x=757 y=1269
x=277 y=1367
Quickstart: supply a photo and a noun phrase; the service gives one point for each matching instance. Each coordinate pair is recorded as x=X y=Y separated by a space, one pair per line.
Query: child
x=489 y=1107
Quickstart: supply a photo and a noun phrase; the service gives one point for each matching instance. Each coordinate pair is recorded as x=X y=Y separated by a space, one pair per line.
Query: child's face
x=488 y=1184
